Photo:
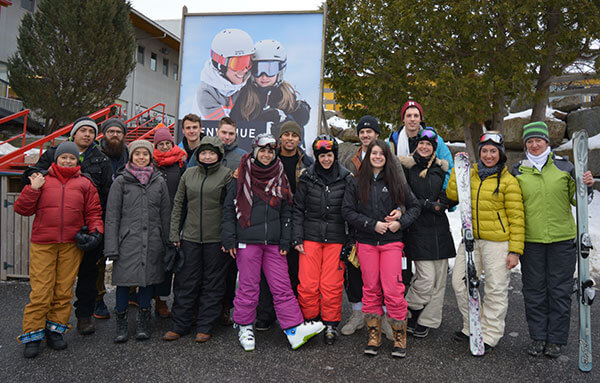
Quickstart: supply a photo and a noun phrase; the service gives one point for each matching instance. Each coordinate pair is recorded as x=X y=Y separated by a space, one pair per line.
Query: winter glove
x=172 y=258
x=434 y=207
x=88 y=241
x=272 y=114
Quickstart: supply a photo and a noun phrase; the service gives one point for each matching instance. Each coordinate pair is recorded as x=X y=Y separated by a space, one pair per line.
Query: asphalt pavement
x=437 y=358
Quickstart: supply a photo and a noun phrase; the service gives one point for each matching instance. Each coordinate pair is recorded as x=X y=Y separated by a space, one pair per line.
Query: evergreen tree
x=73 y=57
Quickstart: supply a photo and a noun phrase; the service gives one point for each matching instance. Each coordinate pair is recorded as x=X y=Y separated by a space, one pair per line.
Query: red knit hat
x=411 y=104
x=162 y=134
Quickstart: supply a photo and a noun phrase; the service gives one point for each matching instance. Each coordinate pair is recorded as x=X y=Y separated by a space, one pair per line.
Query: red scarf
x=270 y=184
x=62 y=173
x=170 y=157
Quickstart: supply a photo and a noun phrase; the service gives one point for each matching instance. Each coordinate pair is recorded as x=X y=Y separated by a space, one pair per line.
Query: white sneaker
x=246 y=337
x=356 y=322
x=300 y=334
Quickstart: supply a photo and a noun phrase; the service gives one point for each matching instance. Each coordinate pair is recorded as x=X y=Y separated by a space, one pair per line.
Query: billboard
x=261 y=69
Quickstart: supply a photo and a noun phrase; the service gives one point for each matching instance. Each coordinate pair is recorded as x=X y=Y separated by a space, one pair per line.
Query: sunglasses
x=496 y=138
x=268 y=68
x=235 y=63
x=323 y=144
x=428 y=133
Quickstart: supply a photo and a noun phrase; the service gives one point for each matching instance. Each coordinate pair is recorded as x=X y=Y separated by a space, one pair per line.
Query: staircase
x=140 y=126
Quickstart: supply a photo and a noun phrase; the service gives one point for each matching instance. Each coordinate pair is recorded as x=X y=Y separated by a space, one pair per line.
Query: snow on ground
x=593 y=143
x=527 y=114
x=594 y=230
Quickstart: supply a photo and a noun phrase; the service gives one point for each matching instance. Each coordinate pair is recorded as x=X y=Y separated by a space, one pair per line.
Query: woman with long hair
x=377 y=191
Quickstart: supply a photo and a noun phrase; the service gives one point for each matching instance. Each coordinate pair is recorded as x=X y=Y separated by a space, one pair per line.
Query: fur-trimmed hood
x=408 y=162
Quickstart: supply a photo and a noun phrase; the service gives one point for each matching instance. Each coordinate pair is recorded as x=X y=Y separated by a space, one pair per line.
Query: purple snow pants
x=250 y=260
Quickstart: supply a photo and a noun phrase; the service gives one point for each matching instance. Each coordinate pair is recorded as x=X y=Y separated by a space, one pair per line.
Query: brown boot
x=374 y=331
x=399 y=329
x=161 y=308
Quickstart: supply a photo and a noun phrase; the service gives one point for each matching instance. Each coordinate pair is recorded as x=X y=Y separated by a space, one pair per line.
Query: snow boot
x=399 y=328
x=246 y=337
x=300 y=334
x=142 y=331
x=536 y=348
x=122 y=330
x=552 y=350
x=374 y=332
x=356 y=322
x=32 y=349
x=55 y=340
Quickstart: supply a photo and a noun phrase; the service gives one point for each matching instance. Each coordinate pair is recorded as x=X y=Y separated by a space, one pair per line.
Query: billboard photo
x=259 y=69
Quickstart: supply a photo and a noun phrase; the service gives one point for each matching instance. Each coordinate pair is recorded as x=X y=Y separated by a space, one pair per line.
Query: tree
x=73 y=57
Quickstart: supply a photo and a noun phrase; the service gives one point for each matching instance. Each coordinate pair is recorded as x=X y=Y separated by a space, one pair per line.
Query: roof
x=154 y=29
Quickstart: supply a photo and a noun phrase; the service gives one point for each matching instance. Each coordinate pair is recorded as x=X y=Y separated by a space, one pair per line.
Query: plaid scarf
x=270 y=184
x=142 y=173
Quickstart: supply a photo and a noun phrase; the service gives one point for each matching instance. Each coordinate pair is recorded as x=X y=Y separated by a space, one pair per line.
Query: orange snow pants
x=321 y=275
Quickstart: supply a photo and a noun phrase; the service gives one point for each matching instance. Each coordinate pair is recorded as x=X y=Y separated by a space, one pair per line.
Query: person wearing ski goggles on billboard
x=224 y=74
x=548 y=185
x=428 y=240
x=267 y=96
x=498 y=228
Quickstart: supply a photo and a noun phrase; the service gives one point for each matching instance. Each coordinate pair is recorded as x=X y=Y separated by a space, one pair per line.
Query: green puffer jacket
x=547 y=197
x=203 y=189
x=496 y=217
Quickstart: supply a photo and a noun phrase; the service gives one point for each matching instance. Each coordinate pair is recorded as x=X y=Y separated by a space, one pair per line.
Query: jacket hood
x=408 y=162
x=211 y=143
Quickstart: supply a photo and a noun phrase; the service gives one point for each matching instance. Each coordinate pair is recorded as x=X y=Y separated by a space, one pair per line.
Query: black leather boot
x=142 y=331
x=122 y=330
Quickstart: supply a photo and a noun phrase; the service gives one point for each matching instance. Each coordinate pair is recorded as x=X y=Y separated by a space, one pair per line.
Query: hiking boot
x=122 y=328
x=300 y=334
x=420 y=331
x=374 y=332
x=246 y=337
x=356 y=322
x=552 y=350
x=331 y=334
x=85 y=326
x=101 y=311
x=411 y=322
x=459 y=336
x=399 y=328
x=386 y=328
x=170 y=336
x=55 y=340
x=262 y=325
x=161 y=309
x=32 y=349
x=536 y=348
x=202 y=337
x=142 y=330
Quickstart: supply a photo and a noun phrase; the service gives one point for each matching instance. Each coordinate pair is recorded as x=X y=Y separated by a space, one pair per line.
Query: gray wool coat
x=136 y=229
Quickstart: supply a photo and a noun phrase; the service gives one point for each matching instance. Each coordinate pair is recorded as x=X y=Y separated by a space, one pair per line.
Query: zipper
x=201 y=200
x=477 y=207
x=62 y=211
x=501 y=224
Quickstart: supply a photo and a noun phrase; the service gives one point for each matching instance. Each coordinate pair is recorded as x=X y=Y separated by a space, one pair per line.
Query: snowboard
x=462 y=168
x=585 y=290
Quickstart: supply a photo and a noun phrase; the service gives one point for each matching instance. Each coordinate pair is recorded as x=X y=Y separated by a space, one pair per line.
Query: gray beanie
x=83 y=121
x=113 y=122
x=66 y=147
x=140 y=144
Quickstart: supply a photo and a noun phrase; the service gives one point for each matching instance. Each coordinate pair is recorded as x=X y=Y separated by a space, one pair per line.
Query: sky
x=171 y=9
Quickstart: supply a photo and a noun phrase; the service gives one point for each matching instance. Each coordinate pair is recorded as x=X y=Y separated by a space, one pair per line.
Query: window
x=166 y=67
x=153 y=61
x=140 y=55
x=175 y=72
x=28 y=5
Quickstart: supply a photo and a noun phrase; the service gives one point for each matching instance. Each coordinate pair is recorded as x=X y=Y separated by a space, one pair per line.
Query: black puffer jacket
x=268 y=225
x=429 y=237
x=363 y=217
x=172 y=174
x=318 y=208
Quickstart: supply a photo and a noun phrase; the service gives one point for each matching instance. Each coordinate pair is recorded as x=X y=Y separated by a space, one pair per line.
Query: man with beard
x=114 y=146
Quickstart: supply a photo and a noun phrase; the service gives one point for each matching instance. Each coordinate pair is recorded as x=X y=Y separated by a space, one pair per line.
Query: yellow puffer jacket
x=496 y=217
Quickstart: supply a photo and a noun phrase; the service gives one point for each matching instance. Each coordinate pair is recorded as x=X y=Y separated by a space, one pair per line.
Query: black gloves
x=173 y=259
x=434 y=206
x=88 y=241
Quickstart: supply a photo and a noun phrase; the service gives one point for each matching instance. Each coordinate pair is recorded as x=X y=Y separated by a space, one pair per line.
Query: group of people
x=276 y=235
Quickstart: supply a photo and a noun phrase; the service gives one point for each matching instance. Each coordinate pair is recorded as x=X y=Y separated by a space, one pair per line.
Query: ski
x=462 y=168
x=585 y=289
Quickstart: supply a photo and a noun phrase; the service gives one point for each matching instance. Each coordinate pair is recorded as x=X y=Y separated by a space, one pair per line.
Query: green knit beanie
x=537 y=129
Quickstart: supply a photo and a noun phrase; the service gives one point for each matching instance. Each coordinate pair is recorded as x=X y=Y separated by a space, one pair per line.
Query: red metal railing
x=150 y=134
x=22 y=113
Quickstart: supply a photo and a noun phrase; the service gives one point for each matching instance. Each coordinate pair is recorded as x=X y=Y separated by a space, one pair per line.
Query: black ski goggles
x=267 y=68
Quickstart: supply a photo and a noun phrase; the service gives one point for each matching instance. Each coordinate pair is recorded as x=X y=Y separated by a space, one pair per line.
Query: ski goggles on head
x=496 y=138
x=428 y=133
x=267 y=142
x=235 y=63
x=323 y=144
x=268 y=68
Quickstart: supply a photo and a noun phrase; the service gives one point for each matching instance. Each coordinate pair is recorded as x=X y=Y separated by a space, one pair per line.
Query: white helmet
x=230 y=43
x=269 y=58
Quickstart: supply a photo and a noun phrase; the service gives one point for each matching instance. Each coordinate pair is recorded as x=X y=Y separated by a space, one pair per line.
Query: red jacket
x=61 y=209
